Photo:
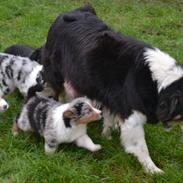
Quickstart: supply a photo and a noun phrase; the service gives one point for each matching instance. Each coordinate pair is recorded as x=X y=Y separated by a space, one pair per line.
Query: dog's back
x=99 y=63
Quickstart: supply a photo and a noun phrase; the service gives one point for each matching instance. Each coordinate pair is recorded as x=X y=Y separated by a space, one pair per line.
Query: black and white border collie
x=17 y=72
x=135 y=81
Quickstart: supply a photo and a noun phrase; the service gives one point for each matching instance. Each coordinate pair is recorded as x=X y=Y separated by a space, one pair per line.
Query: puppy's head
x=80 y=111
x=170 y=105
x=3 y=105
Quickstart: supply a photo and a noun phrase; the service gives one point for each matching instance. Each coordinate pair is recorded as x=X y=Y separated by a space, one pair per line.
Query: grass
x=22 y=160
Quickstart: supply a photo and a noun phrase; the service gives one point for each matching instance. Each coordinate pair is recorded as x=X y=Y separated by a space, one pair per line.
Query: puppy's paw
x=49 y=150
x=15 y=129
x=97 y=147
x=15 y=134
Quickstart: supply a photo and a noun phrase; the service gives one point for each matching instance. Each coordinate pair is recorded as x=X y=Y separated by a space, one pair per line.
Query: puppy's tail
x=32 y=90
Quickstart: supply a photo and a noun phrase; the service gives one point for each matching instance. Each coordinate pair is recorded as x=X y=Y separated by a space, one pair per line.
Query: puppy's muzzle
x=96 y=115
x=3 y=105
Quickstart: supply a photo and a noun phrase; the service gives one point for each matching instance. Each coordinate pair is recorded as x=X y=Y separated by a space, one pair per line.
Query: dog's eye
x=163 y=104
x=39 y=79
x=88 y=111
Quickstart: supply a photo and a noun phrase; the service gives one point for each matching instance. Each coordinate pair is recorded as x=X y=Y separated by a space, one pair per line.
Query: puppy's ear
x=68 y=114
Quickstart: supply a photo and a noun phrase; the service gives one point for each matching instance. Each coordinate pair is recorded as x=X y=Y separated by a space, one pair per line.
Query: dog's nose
x=98 y=111
x=5 y=107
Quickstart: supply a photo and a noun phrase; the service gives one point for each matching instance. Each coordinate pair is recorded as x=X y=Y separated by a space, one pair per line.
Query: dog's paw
x=15 y=129
x=15 y=133
x=48 y=150
x=154 y=170
x=106 y=133
x=97 y=147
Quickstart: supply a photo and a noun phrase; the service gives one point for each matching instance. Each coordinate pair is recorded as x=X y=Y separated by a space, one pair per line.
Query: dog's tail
x=32 y=90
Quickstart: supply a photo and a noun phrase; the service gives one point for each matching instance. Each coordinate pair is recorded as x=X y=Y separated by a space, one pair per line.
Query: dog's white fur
x=164 y=71
x=133 y=140
x=163 y=67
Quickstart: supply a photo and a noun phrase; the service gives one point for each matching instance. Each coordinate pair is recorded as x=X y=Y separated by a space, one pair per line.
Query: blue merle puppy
x=17 y=72
x=56 y=122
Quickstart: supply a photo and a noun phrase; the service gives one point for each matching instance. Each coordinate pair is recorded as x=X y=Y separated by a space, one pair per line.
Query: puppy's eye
x=88 y=111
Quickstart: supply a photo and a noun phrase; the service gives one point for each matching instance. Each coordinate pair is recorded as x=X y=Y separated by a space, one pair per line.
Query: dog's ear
x=107 y=34
x=109 y=37
x=173 y=104
x=88 y=8
x=68 y=114
x=69 y=17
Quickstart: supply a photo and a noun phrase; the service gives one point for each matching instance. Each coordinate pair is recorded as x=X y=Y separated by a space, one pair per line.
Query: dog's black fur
x=25 y=51
x=56 y=81
x=106 y=66
x=116 y=70
x=20 y=50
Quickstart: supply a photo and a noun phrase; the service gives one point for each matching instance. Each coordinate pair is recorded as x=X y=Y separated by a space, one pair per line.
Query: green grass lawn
x=22 y=159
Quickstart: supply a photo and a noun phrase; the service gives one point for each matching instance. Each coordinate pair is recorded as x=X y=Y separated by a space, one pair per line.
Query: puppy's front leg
x=86 y=142
x=15 y=129
x=50 y=146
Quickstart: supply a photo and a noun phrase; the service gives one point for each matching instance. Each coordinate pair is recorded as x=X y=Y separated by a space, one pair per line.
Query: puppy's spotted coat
x=58 y=123
x=17 y=72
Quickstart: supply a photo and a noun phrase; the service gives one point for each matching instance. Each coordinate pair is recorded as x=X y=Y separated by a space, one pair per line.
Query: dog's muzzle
x=3 y=105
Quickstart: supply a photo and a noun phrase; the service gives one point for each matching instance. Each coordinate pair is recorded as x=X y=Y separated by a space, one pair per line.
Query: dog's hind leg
x=133 y=139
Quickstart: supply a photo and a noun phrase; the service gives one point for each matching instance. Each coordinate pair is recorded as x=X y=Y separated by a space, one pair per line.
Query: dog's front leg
x=107 y=124
x=86 y=142
x=133 y=139
x=15 y=129
x=50 y=146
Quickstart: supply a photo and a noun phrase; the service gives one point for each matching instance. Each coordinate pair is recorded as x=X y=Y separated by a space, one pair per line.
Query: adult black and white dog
x=17 y=72
x=135 y=81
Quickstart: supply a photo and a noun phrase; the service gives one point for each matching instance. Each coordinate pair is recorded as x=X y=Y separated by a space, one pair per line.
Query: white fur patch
x=163 y=67
x=133 y=139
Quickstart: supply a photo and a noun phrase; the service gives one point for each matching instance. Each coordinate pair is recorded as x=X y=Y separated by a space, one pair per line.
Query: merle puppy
x=133 y=80
x=17 y=72
x=57 y=123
